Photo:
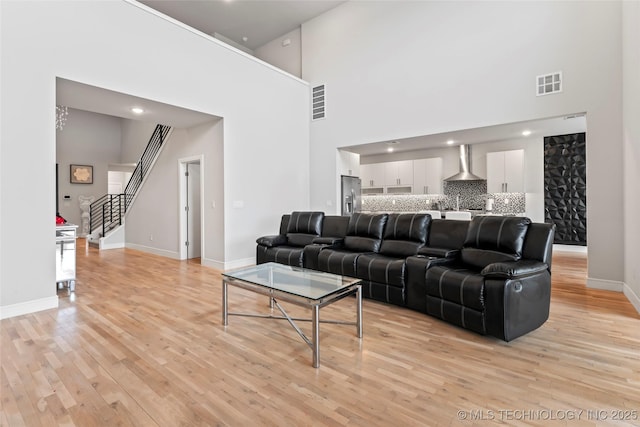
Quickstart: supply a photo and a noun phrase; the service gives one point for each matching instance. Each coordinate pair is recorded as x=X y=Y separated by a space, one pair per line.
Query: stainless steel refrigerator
x=351 y=195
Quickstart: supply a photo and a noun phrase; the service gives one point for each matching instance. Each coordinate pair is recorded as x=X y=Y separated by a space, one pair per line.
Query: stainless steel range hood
x=465 y=167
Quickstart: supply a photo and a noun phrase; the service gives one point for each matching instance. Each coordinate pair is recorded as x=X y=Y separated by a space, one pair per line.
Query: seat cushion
x=338 y=261
x=287 y=255
x=381 y=269
x=464 y=287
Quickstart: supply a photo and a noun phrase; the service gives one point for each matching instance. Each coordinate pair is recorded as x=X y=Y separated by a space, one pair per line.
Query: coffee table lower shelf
x=315 y=305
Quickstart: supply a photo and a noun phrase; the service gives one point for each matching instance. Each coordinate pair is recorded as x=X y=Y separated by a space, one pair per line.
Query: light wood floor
x=141 y=343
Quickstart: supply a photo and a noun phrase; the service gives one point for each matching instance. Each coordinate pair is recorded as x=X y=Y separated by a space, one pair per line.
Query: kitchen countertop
x=474 y=212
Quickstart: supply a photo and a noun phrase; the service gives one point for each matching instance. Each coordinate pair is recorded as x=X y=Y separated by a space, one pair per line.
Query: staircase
x=107 y=213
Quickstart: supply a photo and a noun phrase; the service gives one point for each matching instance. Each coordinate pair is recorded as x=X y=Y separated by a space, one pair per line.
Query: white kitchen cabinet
x=372 y=175
x=349 y=163
x=398 y=173
x=505 y=171
x=427 y=176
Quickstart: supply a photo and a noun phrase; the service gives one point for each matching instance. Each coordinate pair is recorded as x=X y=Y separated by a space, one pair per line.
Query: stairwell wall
x=135 y=137
x=152 y=223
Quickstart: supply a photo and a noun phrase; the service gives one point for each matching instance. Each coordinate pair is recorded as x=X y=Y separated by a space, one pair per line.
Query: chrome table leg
x=315 y=332
x=225 y=312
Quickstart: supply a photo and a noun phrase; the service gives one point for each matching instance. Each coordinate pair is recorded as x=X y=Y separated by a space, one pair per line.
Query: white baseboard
x=229 y=265
x=28 y=307
x=106 y=246
x=155 y=251
x=570 y=248
x=632 y=297
x=606 y=285
x=212 y=263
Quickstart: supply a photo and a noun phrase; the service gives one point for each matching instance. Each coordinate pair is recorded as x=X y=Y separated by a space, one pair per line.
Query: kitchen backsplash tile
x=504 y=203
x=507 y=203
x=472 y=193
x=401 y=202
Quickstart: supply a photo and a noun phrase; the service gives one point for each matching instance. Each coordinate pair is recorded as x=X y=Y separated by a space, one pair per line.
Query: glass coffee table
x=300 y=286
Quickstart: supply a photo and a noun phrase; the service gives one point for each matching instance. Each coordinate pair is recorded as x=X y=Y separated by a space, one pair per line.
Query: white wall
x=117 y=180
x=631 y=132
x=265 y=112
x=135 y=137
x=156 y=210
x=87 y=139
x=287 y=58
x=404 y=69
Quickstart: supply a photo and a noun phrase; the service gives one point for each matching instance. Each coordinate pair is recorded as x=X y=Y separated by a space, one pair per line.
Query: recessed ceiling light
x=137 y=110
x=390 y=149
x=450 y=142
x=526 y=132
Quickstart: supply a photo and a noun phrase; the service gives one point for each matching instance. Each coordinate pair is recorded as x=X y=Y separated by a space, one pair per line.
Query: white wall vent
x=318 y=96
x=549 y=83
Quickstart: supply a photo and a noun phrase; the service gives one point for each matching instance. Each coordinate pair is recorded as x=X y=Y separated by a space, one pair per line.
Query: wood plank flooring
x=141 y=343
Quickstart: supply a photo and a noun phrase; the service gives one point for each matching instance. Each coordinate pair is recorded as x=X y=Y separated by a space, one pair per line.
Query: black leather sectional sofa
x=491 y=275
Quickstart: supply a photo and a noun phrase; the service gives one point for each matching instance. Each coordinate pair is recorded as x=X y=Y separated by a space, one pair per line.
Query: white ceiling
x=503 y=132
x=97 y=100
x=260 y=21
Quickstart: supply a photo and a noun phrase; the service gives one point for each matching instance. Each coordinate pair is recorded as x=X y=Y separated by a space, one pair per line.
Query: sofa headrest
x=447 y=233
x=411 y=227
x=404 y=234
x=494 y=239
x=335 y=226
x=367 y=225
x=305 y=223
x=364 y=233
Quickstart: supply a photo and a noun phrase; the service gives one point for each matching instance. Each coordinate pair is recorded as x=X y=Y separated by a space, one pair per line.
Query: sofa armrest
x=332 y=241
x=514 y=307
x=438 y=252
x=271 y=241
x=513 y=269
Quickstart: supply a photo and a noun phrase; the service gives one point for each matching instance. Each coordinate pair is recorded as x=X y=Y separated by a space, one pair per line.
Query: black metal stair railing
x=107 y=212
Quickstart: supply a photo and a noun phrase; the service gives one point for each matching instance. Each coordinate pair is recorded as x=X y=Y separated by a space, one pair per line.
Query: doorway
x=191 y=227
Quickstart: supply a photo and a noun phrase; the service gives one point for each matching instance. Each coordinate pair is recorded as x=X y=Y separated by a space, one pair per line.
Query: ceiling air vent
x=549 y=83
x=318 y=103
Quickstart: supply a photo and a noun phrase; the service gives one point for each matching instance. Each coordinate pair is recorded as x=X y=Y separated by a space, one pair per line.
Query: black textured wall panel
x=565 y=187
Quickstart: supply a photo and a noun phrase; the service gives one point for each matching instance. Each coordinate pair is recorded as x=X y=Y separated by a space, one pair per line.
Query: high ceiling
x=262 y=21
x=250 y=23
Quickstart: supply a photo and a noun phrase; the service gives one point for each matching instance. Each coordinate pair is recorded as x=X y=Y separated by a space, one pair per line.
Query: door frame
x=182 y=214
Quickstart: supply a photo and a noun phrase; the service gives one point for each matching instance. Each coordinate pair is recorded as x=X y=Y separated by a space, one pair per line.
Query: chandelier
x=61 y=116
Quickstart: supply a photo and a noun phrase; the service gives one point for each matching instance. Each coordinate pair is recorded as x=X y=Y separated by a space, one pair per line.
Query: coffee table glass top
x=303 y=282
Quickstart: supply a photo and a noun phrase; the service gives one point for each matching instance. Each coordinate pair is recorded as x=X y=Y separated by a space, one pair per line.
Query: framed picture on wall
x=81 y=174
